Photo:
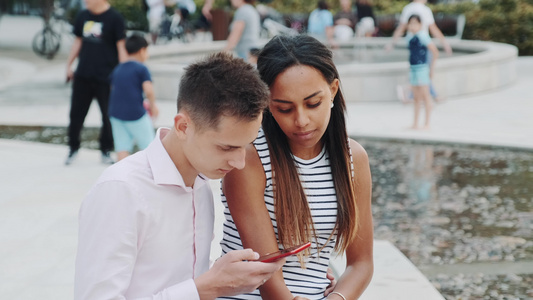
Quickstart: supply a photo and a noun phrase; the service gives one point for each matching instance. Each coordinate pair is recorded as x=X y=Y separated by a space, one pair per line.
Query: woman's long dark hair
x=293 y=216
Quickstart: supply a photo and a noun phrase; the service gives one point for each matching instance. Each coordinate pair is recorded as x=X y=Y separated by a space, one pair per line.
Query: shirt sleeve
x=327 y=18
x=404 y=17
x=77 y=30
x=428 y=16
x=424 y=38
x=112 y=221
x=145 y=74
x=120 y=27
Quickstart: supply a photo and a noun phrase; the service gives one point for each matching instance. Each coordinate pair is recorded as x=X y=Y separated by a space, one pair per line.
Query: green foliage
x=504 y=21
x=387 y=7
x=133 y=13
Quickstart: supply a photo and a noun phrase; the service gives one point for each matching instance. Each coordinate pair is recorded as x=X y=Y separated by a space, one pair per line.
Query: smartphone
x=271 y=257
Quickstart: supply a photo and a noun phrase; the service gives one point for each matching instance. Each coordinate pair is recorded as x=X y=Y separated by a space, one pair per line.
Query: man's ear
x=181 y=124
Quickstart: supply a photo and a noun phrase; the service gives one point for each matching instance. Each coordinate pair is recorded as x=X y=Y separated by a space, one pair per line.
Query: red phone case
x=271 y=257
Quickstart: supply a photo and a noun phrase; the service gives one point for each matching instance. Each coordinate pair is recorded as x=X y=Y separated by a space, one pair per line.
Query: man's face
x=214 y=152
x=93 y=5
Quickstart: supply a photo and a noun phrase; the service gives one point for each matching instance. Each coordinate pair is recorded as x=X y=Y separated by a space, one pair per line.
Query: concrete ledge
x=167 y=63
x=395 y=277
x=484 y=66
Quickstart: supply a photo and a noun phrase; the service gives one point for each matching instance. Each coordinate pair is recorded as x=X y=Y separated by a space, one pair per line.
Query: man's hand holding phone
x=271 y=257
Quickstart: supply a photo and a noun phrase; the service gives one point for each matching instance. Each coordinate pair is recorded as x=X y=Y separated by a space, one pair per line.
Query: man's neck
x=173 y=147
x=100 y=8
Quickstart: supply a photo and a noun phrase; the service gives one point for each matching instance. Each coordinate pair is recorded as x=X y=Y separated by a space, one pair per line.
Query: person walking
x=244 y=29
x=130 y=81
x=98 y=46
x=146 y=225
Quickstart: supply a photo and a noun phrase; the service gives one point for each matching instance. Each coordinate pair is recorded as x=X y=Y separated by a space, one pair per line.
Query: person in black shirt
x=99 y=46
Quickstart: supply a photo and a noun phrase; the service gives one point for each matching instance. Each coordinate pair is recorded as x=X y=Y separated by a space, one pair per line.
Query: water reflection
x=453 y=205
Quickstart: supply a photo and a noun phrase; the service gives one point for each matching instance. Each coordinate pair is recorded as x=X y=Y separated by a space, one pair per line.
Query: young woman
x=304 y=179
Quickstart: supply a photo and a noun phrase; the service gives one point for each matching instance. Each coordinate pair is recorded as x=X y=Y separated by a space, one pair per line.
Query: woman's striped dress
x=316 y=178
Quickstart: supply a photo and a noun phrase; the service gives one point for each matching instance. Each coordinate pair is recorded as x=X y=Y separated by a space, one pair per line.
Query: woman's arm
x=244 y=191
x=359 y=255
x=235 y=35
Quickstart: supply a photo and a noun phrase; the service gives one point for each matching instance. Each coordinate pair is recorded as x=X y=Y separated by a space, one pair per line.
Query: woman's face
x=300 y=103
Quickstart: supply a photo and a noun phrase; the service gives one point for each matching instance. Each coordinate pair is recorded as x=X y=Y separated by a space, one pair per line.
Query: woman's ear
x=334 y=87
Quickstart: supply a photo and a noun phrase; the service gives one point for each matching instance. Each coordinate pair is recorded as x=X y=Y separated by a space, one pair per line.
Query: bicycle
x=47 y=42
x=175 y=26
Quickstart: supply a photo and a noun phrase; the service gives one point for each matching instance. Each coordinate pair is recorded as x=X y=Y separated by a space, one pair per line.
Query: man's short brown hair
x=221 y=85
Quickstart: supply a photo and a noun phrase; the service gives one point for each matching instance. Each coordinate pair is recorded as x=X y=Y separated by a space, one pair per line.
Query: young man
x=145 y=228
x=99 y=45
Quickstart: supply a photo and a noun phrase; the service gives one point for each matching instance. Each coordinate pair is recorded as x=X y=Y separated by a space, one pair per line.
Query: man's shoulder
x=130 y=170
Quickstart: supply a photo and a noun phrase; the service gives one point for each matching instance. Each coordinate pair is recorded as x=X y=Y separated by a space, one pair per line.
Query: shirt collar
x=163 y=168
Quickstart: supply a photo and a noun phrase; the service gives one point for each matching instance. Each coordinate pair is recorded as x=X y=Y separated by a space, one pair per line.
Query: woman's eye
x=284 y=111
x=314 y=104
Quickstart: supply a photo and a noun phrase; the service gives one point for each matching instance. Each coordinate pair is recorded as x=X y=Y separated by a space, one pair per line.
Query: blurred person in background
x=365 y=16
x=156 y=10
x=345 y=21
x=244 y=29
x=99 y=46
x=320 y=24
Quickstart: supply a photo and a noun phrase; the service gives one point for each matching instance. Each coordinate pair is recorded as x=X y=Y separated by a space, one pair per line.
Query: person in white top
x=418 y=7
x=145 y=227
x=156 y=10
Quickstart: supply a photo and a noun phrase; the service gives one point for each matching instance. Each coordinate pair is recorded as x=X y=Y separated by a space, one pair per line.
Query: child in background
x=421 y=70
x=131 y=124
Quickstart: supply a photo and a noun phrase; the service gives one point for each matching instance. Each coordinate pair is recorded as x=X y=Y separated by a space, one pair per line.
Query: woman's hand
x=332 y=284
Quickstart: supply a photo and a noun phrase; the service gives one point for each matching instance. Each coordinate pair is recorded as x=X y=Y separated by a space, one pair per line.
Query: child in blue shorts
x=421 y=69
x=130 y=121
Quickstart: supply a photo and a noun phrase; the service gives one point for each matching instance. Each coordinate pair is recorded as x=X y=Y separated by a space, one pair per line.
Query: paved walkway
x=40 y=196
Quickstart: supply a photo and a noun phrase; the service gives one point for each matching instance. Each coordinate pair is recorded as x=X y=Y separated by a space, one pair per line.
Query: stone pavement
x=40 y=196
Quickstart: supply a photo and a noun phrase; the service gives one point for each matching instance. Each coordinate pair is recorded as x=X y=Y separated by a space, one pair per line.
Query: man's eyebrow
x=306 y=98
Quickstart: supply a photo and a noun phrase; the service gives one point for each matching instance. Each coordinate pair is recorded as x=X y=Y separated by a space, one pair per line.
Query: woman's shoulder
x=358 y=151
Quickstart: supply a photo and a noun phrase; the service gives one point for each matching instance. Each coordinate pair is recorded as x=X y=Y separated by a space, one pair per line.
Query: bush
x=504 y=21
x=133 y=13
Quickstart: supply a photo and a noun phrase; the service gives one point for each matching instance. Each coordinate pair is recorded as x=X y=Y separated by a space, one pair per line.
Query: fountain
x=366 y=71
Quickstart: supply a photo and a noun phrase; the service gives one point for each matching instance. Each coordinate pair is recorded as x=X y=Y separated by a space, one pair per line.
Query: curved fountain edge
x=492 y=66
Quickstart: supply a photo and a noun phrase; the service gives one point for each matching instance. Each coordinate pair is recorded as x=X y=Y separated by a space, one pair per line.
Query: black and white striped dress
x=317 y=181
